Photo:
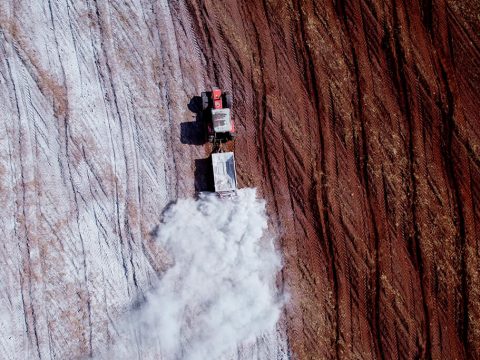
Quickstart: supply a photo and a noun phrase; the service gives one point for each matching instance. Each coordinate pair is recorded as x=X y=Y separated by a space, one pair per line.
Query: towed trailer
x=224 y=174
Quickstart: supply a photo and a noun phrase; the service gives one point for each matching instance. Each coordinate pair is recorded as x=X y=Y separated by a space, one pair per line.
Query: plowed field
x=358 y=122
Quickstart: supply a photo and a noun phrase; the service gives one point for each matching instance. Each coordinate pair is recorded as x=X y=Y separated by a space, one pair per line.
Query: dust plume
x=219 y=291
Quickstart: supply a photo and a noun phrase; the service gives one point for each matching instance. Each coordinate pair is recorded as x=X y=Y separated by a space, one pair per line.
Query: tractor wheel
x=228 y=100
x=204 y=101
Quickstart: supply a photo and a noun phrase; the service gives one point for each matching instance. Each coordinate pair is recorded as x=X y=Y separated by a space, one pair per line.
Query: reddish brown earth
x=359 y=121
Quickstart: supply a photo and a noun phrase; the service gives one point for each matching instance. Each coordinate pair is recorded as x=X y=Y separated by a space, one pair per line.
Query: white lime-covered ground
x=92 y=95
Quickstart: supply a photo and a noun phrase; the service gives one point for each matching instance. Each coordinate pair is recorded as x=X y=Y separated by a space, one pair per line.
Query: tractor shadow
x=193 y=132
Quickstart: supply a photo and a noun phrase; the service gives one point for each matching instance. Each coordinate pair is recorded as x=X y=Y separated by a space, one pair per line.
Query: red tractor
x=217 y=114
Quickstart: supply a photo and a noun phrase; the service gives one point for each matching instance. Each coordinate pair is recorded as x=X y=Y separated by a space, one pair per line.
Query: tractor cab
x=217 y=112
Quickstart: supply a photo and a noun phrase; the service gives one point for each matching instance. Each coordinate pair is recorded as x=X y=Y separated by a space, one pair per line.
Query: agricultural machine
x=217 y=115
x=220 y=129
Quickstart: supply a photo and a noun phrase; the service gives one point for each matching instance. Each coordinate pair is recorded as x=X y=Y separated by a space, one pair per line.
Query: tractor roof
x=221 y=120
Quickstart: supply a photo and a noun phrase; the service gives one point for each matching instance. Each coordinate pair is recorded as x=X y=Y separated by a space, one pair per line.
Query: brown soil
x=359 y=122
